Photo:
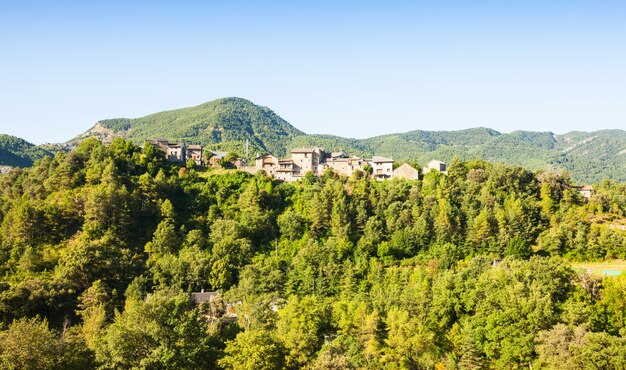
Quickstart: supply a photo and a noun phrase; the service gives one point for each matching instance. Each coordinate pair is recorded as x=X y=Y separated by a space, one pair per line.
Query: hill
x=589 y=157
x=16 y=152
x=225 y=124
x=222 y=124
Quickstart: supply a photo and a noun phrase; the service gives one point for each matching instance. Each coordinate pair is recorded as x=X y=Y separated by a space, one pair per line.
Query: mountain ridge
x=226 y=124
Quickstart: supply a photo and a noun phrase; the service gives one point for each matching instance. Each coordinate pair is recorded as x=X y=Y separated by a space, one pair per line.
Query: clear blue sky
x=350 y=68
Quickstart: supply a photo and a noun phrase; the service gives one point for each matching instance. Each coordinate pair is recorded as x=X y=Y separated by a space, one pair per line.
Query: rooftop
x=265 y=156
x=381 y=159
x=202 y=297
x=303 y=150
x=219 y=155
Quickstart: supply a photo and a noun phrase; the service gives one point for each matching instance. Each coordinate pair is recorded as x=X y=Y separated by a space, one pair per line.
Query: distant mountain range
x=226 y=124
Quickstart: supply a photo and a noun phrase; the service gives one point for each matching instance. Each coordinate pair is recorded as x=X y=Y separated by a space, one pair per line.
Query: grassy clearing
x=604 y=268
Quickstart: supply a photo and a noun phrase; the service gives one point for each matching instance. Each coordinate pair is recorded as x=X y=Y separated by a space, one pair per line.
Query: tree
x=29 y=344
x=253 y=350
x=300 y=327
x=547 y=204
x=95 y=311
x=165 y=331
x=291 y=224
x=367 y=168
x=410 y=344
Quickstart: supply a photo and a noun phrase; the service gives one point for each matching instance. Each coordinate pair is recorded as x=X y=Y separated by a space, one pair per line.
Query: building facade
x=382 y=168
x=194 y=152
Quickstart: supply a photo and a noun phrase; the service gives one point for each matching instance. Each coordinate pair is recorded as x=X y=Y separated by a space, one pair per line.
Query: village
x=312 y=160
x=301 y=161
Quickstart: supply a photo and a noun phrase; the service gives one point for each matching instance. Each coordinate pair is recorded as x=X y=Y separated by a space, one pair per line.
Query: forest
x=101 y=248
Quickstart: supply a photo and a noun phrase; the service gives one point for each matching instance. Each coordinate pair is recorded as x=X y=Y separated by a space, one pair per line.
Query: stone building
x=316 y=161
x=382 y=168
x=194 y=152
x=406 y=171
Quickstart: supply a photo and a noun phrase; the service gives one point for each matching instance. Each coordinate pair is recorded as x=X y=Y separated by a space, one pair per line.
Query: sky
x=349 y=68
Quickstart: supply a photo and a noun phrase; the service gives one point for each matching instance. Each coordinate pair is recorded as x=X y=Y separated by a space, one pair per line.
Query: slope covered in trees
x=588 y=156
x=100 y=247
x=223 y=124
x=18 y=152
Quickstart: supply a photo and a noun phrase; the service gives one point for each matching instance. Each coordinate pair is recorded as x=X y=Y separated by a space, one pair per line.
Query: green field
x=605 y=268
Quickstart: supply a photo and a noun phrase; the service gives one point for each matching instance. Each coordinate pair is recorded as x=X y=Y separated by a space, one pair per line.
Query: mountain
x=222 y=124
x=225 y=124
x=16 y=152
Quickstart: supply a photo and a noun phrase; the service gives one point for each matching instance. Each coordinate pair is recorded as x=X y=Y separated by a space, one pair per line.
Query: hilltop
x=16 y=152
x=222 y=124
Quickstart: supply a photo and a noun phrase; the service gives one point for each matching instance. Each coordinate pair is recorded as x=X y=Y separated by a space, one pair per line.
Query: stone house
x=179 y=152
x=267 y=163
x=285 y=170
x=382 y=168
x=305 y=160
x=343 y=165
x=176 y=153
x=194 y=152
x=173 y=152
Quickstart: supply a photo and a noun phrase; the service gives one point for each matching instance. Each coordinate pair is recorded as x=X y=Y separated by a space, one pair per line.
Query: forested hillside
x=18 y=152
x=589 y=157
x=100 y=248
x=225 y=124
x=222 y=124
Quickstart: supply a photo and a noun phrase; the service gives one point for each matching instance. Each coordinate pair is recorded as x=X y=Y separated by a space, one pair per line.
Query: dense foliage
x=100 y=248
x=18 y=152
